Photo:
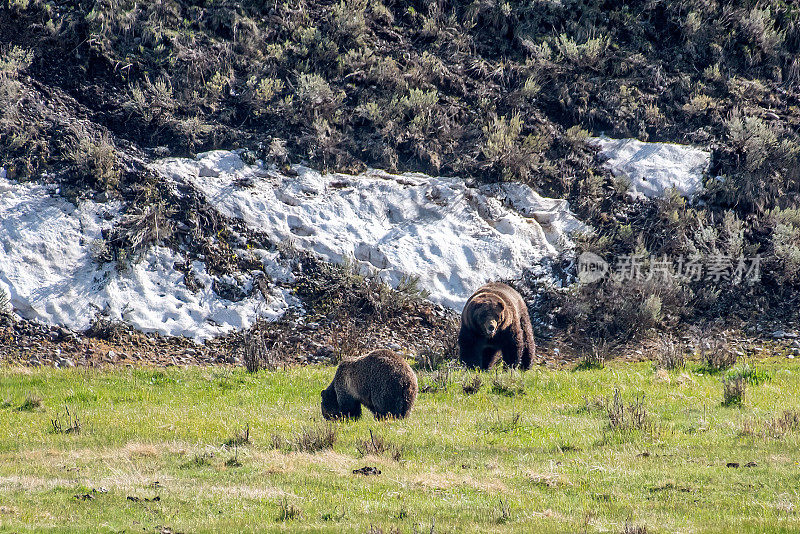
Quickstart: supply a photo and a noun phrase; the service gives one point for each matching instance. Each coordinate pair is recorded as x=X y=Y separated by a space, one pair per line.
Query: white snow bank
x=452 y=237
x=46 y=266
x=653 y=168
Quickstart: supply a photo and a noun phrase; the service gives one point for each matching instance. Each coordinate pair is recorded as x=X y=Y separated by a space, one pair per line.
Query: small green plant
x=751 y=374
x=264 y=92
x=626 y=417
x=349 y=17
x=5 y=301
x=66 y=423
x=31 y=403
x=472 y=385
x=313 y=90
x=106 y=329
x=256 y=355
x=503 y=424
x=716 y=355
x=437 y=381
x=631 y=528
x=96 y=161
x=670 y=354
x=586 y=54
x=508 y=384
x=786 y=243
x=503 y=513
x=434 y=358
x=506 y=148
x=233 y=461
x=198 y=460
x=594 y=358
x=288 y=512
x=14 y=59
x=240 y=437
x=733 y=390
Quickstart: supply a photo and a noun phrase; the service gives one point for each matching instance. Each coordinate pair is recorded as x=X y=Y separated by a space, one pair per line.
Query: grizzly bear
x=495 y=324
x=381 y=380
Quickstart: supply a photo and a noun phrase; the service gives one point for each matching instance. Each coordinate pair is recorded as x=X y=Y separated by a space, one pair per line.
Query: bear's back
x=382 y=380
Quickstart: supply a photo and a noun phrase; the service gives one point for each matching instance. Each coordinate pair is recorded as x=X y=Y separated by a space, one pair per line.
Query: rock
x=394 y=346
x=778 y=334
x=325 y=352
x=367 y=471
x=65 y=362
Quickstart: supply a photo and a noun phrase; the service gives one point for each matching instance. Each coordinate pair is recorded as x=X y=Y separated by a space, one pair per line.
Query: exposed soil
x=302 y=341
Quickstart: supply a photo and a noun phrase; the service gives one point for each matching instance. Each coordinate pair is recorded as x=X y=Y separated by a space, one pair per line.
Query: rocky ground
x=428 y=336
x=291 y=341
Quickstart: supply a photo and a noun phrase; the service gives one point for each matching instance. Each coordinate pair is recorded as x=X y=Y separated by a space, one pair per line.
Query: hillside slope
x=91 y=91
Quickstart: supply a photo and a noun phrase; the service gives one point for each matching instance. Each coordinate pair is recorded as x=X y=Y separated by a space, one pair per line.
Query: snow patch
x=47 y=268
x=452 y=237
x=654 y=168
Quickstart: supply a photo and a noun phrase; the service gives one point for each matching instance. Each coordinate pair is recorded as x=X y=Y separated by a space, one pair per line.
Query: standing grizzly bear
x=494 y=324
x=381 y=380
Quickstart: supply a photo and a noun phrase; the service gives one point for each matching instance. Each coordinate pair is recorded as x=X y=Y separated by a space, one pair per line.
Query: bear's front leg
x=348 y=405
x=471 y=348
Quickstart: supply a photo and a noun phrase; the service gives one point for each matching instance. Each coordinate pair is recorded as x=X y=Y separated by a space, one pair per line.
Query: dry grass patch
x=377 y=445
x=777 y=427
x=315 y=438
x=32 y=483
x=547 y=480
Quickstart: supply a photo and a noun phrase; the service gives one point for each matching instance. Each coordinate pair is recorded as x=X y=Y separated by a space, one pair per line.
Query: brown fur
x=495 y=324
x=381 y=380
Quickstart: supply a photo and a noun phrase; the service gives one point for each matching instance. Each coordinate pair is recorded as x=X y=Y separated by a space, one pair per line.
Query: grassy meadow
x=213 y=449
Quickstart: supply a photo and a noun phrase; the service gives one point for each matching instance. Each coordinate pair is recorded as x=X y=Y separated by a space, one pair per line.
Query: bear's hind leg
x=513 y=348
x=529 y=352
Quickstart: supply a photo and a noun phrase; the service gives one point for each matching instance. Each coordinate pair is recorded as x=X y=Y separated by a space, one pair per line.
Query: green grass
x=543 y=461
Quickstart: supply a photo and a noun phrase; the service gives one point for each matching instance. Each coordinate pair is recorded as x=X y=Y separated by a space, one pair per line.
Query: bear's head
x=487 y=315
x=330 y=404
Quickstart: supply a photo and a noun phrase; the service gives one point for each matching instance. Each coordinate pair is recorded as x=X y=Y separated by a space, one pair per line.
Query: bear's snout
x=490 y=328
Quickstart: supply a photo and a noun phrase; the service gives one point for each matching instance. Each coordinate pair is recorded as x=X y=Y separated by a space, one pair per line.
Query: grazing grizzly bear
x=381 y=380
x=495 y=324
